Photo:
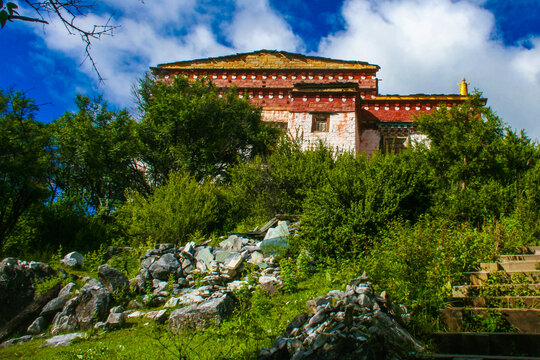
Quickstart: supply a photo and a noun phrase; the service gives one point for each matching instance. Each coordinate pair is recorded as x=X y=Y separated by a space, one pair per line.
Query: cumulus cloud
x=175 y=30
x=257 y=26
x=429 y=45
x=421 y=45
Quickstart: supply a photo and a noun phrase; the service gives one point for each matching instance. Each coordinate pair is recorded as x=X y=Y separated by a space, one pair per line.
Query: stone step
x=512 y=265
x=480 y=277
x=488 y=344
x=519 y=257
x=529 y=302
x=523 y=320
x=528 y=250
x=460 y=291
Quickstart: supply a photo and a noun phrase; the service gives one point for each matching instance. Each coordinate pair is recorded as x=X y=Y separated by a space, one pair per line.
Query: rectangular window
x=281 y=125
x=394 y=144
x=320 y=122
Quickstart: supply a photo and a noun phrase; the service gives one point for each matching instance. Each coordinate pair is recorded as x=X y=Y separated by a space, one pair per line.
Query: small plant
x=170 y=283
x=56 y=257
x=94 y=259
x=488 y=321
x=289 y=274
x=49 y=283
x=304 y=265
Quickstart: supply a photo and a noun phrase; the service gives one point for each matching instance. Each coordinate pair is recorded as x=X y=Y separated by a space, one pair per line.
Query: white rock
x=72 y=259
x=61 y=340
x=172 y=302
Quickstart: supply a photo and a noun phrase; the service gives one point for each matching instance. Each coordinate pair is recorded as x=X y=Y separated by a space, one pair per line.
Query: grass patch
x=256 y=322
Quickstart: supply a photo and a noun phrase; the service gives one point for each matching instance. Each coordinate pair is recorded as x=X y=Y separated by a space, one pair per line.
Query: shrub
x=181 y=207
x=279 y=183
x=359 y=198
x=417 y=264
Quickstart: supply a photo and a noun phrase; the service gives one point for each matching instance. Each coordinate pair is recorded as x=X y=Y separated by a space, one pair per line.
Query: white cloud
x=257 y=26
x=136 y=45
x=421 y=45
x=175 y=30
x=429 y=45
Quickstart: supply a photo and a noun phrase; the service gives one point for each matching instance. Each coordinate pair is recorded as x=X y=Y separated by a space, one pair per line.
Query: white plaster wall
x=275 y=116
x=341 y=134
x=369 y=141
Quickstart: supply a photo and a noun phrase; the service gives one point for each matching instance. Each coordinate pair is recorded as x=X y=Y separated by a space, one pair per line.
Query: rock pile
x=90 y=304
x=17 y=279
x=194 y=273
x=355 y=324
x=199 y=277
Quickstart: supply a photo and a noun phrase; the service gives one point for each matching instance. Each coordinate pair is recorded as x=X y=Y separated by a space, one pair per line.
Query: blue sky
x=422 y=46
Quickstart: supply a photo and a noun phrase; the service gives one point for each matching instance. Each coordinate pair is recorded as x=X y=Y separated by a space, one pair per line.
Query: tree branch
x=26 y=18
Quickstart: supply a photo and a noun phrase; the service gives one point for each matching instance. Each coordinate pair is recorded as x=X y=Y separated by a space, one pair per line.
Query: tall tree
x=97 y=153
x=476 y=160
x=190 y=126
x=23 y=159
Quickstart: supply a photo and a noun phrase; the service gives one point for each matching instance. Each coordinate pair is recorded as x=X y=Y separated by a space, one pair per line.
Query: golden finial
x=463 y=88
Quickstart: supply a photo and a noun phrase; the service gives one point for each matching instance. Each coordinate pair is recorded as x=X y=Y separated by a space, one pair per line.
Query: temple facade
x=317 y=98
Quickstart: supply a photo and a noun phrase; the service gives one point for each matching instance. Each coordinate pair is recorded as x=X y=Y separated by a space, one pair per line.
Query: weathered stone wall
x=369 y=141
x=291 y=87
x=341 y=132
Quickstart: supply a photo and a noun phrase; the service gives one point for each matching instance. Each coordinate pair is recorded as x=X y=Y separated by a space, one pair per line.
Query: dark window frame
x=320 y=122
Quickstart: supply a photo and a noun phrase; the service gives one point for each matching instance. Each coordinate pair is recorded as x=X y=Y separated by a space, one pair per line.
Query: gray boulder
x=138 y=284
x=114 y=280
x=73 y=259
x=61 y=340
x=349 y=329
x=91 y=304
x=16 y=341
x=116 y=320
x=54 y=306
x=159 y=316
x=233 y=242
x=166 y=265
x=201 y=315
x=188 y=251
x=233 y=261
x=38 y=326
x=17 y=279
x=270 y=284
x=204 y=256
x=68 y=289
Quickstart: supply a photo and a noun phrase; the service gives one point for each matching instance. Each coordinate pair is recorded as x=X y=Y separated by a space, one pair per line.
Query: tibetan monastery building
x=336 y=101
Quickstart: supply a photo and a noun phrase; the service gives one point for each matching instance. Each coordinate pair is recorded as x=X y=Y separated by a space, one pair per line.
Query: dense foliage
x=181 y=208
x=97 y=155
x=188 y=126
x=23 y=159
x=199 y=164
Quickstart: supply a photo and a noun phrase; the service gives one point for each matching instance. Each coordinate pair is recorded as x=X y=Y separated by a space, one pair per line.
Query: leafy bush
x=181 y=207
x=44 y=228
x=279 y=183
x=417 y=264
x=359 y=198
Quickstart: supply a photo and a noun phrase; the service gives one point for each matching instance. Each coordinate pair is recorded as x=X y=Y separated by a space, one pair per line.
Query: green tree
x=189 y=126
x=23 y=159
x=97 y=153
x=476 y=160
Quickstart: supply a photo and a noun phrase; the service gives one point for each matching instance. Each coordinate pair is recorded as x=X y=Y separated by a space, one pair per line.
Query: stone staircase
x=503 y=298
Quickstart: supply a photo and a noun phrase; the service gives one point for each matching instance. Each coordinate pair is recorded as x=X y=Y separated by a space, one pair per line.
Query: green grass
x=257 y=321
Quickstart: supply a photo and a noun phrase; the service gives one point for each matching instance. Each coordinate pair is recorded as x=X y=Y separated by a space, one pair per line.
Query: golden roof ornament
x=463 y=88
